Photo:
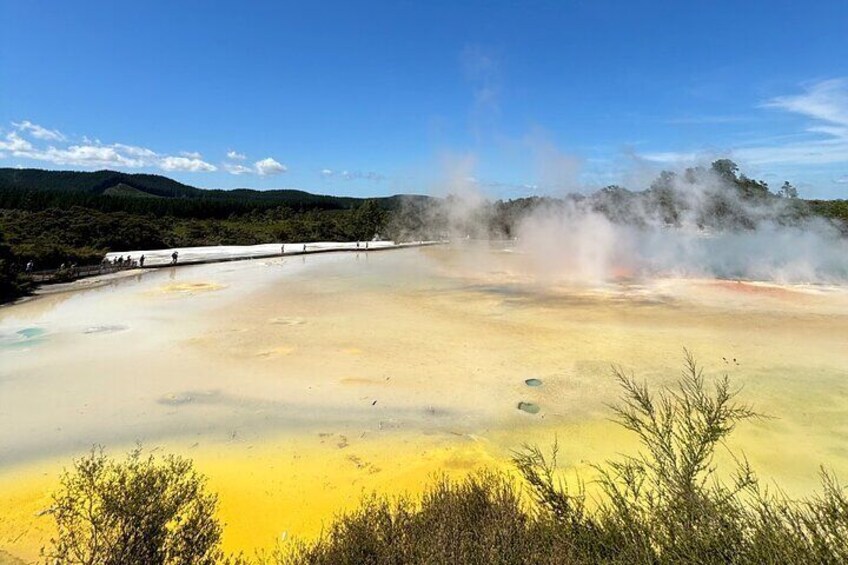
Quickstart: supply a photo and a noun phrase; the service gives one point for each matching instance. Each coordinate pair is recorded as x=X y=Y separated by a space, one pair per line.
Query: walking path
x=63 y=280
x=215 y=254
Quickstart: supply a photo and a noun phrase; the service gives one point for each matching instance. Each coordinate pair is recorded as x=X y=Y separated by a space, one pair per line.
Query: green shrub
x=668 y=504
x=481 y=519
x=140 y=510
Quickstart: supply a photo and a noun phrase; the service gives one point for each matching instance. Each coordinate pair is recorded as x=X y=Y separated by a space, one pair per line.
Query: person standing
x=174 y=256
x=141 y=261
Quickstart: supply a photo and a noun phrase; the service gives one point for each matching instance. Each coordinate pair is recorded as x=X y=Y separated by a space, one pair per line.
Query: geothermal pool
x=298 y=384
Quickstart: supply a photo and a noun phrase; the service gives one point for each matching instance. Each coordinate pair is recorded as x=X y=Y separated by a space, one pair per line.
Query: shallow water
x=297 y=383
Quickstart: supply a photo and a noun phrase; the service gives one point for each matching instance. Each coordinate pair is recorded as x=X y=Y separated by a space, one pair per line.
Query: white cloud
x=354 y=175
x=84 y=156
x=190 y=164
x=235 y=169
x=806 y=153
x=671 y=157
x=823 y=141
x=93 y=153
x=135 y=151
x=826 y=101
x=263 y=167
x=359 y=175
x=39 y=132
x=269 y=166
x=15 y=143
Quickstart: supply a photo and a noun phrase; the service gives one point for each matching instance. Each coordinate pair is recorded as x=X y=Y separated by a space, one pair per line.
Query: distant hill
x=144 y=193
x=97 y=182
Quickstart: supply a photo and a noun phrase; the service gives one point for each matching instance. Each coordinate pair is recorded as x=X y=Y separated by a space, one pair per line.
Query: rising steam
x=706 y=222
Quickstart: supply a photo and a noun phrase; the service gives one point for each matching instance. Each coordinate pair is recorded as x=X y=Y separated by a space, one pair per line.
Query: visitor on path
x=129 y=261
x=304 y=248
x=30 y=266
x=141 y=261
x=174 y=256
x=283 y=249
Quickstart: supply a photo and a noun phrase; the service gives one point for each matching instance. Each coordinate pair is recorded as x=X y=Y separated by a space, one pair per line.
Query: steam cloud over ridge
x=704 y=222
x=577 y=243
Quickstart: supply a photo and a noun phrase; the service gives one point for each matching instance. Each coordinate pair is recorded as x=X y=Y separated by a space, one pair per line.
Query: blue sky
x=368 y=98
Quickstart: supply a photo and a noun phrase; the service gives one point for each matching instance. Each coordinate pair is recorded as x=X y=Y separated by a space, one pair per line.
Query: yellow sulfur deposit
x=299 y=386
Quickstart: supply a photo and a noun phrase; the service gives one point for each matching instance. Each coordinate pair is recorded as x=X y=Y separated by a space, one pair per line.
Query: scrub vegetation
x=669 y=503
x=138 y=510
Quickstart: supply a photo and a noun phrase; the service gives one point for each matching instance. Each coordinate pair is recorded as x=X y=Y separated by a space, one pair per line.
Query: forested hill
x=110 y=191
x=99 y=182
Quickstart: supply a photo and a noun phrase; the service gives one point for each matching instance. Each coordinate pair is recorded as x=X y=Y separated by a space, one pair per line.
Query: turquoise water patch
x=529 y=407
x=29 y=333
x=23 y=337
x=533 y=382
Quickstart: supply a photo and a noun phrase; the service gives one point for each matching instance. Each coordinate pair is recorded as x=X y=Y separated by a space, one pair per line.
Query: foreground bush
x=479 y=520
x=141 y=510
x=665 y=505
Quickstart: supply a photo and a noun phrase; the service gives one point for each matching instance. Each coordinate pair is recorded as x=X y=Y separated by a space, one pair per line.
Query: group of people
x=120 y=262
x=65 y=267
x=128 y=262
x=108 y=264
